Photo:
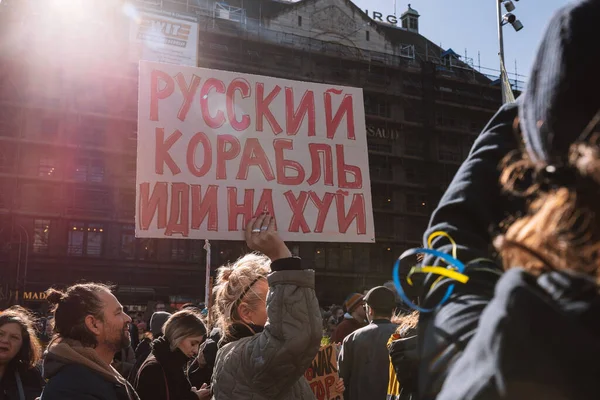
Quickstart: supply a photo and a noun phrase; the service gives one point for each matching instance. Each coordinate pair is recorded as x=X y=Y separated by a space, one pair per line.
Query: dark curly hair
x=31 y=350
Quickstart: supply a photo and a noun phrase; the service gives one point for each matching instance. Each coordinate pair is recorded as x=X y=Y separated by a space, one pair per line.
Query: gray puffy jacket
x=271 y=364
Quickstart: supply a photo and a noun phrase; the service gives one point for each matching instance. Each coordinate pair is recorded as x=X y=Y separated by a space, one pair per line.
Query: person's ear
x=245 y=313
x=93 y=324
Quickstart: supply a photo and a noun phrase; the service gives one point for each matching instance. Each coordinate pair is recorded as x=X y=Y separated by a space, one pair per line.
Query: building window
x=127 y=203
x=333 y=256
x=379 y=146
x=449 y=148
x=88 y=170
x=178 y=250
x=90 y=199
x=91 y=133
x=46 y=166
x=368 y=36
x=362 y=256
x=41 y=233
x=85 y=239
x=416 y=203
x=148 y=249
x=320 y=257
x=127 y=250
x=380 y=169
x=49 y=127
x=415 y=174
x=347 y=256
x=228 y=252
x=299 y=20
x=377 y=106
x=413 y=24
x=384 y=226
x=195 y=250
x=414 y=144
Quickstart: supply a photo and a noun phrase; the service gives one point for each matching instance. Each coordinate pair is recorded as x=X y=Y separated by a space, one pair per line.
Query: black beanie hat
x=563 y=93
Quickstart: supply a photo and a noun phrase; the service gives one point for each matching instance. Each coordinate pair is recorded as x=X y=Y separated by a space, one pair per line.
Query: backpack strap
x=165 y=378
x=19 y=386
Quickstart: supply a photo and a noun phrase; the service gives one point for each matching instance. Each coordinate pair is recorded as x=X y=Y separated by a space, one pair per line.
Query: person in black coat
x=20 y=353
x=163 y=375
x=90 y=327
x=529 y=332
x=144 y=349
x=201 y=370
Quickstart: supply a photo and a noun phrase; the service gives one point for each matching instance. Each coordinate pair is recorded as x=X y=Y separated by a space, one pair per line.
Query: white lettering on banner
x=383 y=133
x=216 y=148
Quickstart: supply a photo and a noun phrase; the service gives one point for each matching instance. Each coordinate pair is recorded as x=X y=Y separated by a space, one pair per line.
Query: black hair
x=72 y=307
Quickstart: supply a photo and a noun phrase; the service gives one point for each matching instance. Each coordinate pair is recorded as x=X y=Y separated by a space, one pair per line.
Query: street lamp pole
x=499 y=20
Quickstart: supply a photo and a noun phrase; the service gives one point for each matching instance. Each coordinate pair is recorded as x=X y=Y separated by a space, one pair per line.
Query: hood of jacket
x=161 y=349
x=65 y=351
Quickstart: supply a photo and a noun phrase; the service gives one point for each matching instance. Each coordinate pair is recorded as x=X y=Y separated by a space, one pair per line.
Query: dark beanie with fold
x=563 y=92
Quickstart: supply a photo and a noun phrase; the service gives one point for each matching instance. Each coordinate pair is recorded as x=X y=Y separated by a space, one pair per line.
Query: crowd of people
x=511 y=314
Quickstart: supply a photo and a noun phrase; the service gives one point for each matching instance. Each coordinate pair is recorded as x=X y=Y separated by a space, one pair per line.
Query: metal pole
x=500 y=43
x=207 y=293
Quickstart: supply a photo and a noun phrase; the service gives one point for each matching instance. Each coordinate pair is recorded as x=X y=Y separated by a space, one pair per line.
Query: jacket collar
x=381 y=321
x=161 y=348
x=238 y=331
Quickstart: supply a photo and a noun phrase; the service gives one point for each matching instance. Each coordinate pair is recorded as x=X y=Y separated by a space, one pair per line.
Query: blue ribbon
x=446 y=257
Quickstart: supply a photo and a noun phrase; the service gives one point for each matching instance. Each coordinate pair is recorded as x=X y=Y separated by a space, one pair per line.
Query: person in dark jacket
x=200 y=371
x=162 y=376
x=353 y=319
x=144 y=349
x=364 y=360
x=497 y=337
x=90 y=327
x=20 y=353
x=470 y=209
x=404 y=358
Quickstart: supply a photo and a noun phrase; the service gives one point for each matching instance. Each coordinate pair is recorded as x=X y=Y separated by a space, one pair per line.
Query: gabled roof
x=302 y=3
x=449 y=52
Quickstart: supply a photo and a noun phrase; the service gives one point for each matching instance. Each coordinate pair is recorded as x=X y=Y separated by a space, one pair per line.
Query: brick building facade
x=68 y=104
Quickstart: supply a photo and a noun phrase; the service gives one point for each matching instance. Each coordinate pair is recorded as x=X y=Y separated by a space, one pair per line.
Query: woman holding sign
x=269 y=314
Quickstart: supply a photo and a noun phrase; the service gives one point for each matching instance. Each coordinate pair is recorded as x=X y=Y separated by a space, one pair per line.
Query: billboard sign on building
x=163 y=36
x=216 y=148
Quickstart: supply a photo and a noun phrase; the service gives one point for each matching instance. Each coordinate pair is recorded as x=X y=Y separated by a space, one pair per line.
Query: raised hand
x=262 y=236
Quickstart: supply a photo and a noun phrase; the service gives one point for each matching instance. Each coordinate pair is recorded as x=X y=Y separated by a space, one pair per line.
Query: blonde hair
x=183 y=324
x=407 y=324
x=561 y=230
x=234 y=282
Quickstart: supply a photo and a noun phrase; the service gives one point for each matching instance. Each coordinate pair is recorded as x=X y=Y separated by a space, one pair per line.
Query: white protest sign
x=216 y=148
x=164 y=36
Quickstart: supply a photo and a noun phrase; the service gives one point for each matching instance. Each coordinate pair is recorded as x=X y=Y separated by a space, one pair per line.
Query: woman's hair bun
x=224 y=273
x=54 y=296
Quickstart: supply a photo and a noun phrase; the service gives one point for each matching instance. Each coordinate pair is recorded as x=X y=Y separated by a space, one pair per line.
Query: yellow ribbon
x=447 y=236
x=444 y=272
